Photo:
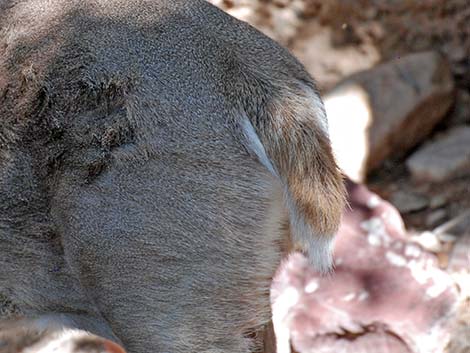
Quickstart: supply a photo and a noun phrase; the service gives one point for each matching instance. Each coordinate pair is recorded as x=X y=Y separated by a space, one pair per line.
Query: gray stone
x=435 y=217
x=407 y=202
x=387 y=110
x=461 y=112
x=456 y=226
x=437 y=201
x=444 y=158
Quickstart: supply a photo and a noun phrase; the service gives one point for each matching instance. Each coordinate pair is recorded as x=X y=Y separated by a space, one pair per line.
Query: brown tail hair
x=292 y=141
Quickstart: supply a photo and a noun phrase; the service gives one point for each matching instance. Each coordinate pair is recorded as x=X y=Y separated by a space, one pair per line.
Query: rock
x=334 y=63
x=457 y=226
x=372 y=339
x=387 y=294
x=458 y=266
x=279 y=20
x=428 y=240
x=437 y=201
x=407 y=202
x=387 y=110
x=461 y=112
x=435 y=217
x=459 y=342
x=459 y=259
x=442 y=159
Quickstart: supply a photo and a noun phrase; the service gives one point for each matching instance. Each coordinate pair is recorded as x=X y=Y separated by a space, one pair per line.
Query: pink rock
x=386 y=294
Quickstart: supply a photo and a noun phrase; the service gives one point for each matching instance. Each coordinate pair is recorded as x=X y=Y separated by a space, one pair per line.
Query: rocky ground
x=395 y=77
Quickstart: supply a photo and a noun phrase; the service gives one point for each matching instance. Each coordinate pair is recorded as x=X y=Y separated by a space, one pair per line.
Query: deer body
x=152 y=156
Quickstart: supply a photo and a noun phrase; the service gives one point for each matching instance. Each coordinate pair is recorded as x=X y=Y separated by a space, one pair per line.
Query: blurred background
x=395 y=79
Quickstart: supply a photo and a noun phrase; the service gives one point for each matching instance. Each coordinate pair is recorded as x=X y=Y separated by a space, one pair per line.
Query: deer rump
x=154 y=157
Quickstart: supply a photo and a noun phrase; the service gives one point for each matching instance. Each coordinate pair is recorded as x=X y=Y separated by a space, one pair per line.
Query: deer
x=158 y=159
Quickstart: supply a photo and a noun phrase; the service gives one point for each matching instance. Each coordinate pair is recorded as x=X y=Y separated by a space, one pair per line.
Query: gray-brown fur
x=16 y=337
x=131 y=204
x=29 y=336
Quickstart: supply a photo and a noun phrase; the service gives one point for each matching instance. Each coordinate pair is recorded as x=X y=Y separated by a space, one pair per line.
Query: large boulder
x=387 y=110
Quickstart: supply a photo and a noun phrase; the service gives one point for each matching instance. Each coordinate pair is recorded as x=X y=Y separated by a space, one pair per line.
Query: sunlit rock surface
x=385 y=111
x=387 y=294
